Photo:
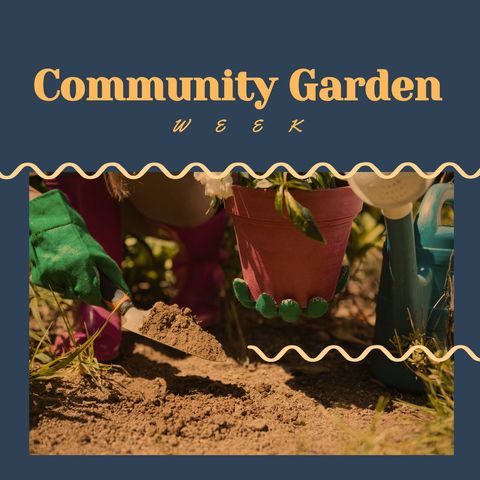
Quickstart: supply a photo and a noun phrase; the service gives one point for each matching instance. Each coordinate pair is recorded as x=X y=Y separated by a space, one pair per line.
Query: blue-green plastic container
x=413 y=285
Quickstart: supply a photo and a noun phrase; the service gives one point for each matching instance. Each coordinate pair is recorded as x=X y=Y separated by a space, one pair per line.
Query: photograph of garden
x=158 y=307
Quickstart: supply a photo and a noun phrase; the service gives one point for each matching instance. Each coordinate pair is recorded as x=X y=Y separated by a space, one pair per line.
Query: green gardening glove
x=288 y=310
x=63 y=255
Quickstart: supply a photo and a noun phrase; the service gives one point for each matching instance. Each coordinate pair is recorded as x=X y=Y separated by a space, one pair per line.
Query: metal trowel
x=134 y=318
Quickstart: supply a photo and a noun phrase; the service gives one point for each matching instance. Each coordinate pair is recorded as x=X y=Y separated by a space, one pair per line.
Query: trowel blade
x=133 y=321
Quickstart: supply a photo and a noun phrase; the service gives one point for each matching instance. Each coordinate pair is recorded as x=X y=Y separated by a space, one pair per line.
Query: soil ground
x=163 y=402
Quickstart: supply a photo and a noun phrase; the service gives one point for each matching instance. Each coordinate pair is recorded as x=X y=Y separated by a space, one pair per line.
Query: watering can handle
x=429 y=220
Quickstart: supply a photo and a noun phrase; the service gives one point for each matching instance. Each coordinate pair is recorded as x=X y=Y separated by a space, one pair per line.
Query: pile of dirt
x=177 y=327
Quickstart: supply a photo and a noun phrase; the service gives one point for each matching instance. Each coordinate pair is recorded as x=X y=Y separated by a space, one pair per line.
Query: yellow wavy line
x=242 y=165
x=364 y=354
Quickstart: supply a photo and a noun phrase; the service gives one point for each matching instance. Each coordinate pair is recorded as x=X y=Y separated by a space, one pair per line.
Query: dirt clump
x=177 y=328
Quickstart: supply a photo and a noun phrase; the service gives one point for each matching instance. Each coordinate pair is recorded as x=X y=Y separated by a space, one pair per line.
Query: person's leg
x=198 y=269
x=101 y=214
x=179 y=207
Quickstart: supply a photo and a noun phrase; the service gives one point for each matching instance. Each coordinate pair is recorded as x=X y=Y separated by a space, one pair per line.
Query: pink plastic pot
x=279 y=259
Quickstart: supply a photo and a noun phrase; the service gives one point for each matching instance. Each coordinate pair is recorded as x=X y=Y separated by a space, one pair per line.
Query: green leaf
x=264 y=183
x=214 y=203
x=245 y=180
x=279 y=199
x=57 y=364
x=50 y=369
x=322 y=180
x=39 y=344
x=34 y=336
x=298 y=184
x=43 y=357
x=302 y=218
x=275 y=179
x=342 y=279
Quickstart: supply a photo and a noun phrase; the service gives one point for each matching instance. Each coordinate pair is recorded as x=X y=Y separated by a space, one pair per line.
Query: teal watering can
x=417 y=259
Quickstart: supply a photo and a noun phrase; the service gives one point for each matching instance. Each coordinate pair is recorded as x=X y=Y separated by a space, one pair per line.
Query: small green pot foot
x=242 y=293
x=317 y=307
x=266 y=306
x=289 y=310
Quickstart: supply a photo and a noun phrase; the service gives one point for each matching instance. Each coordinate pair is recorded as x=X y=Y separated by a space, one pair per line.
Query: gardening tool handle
x=429 y=221
x=114 y=297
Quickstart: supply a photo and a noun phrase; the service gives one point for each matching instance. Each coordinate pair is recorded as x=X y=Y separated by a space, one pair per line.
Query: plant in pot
x=291 y=236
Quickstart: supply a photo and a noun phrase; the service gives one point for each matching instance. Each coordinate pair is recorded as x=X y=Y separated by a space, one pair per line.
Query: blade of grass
x=39 y=344
x=65 y=319
x=48 y=370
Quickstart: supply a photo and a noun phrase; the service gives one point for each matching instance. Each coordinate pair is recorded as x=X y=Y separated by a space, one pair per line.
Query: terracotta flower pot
x=279 y=259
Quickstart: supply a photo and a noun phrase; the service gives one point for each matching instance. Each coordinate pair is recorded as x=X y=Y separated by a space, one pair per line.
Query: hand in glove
x=289 y=310
x=63 y=255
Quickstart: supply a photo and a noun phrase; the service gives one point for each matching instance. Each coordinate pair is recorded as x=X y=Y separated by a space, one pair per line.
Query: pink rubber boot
x=101 y=214
x=197 y=267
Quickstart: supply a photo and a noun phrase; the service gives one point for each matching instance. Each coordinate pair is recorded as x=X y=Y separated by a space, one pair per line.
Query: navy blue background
x=267 y=39
x=344 y=38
